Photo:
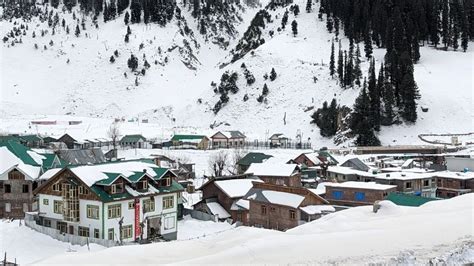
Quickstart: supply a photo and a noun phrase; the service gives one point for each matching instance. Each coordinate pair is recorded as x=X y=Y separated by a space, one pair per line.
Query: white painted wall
x=48 y=210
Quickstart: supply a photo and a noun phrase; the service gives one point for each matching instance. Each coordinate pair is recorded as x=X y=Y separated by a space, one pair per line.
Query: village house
x=136 y=141
x=122 y=201
x=314 y=163
x=278 y=140
x=20 y=168
x=452 y=184
x=81 y=156
x=343 y=174
x=71 y=143
x=281 y=207
x=228 y=139
x=222 y=197
x=403 y=199
x=357 y=164
x=252 y=157
x=459 y=163
x=31 y=141
x=276 y=173
x=199 y=142
x=354 y=193
x=410 y=183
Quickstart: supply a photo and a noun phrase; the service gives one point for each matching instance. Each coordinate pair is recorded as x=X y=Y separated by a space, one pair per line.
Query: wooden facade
x=449 y=187
x=355 y=196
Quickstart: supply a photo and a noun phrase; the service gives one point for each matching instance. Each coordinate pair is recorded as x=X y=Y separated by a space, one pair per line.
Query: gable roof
x=132 y=138
x=230 y=134
x=253 y=157
x=83 y=156
x=25 y=154
x=403 y=199
x=275 y=197
x=187 y=137
x=272 y=169
x=236 y=188
x=9 y=161
x=358 y=164
x=360 y=185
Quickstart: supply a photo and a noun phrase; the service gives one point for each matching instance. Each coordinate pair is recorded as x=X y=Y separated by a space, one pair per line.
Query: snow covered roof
x=9 y=161
x=270 y=168
x=317 y=209
x=404 y=176
x=362 y=185
x=320 y=189
x=314 y=157
x=455 y=175
x=48 y=174
x=90 y=174
x=347 y=171
x=276 y=197
x=231 y=134
x=218 y=210
x=236 y=188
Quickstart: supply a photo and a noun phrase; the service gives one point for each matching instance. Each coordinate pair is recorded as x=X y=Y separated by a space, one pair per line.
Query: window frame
x=263 y=209
x=292 y=214
x=9 y=190
x=112 y=212
x=148 y=205
x=58 y=206
x=83 y=231
x=27 y=188
x=45 y=201
x=168 y=202
x=92 y=211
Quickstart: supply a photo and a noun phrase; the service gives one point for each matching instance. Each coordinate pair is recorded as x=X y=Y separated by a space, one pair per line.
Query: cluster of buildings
x=79 y=192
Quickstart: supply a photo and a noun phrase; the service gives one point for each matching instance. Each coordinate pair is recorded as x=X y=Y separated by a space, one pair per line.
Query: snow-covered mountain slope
x=178 y=93
x=393 y=235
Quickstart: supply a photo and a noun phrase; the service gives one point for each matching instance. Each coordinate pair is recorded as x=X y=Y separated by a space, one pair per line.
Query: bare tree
x=114 y=134
x=218 y=163
x=236 y=156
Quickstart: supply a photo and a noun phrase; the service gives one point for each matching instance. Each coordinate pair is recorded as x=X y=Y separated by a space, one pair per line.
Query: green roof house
x=403 y=199
x=134 y=141
x=251 y=157
x=200 y=142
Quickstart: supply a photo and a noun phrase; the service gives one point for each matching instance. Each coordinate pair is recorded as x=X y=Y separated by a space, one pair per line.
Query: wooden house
x=357 y=164
x=223 y=197
x=278 y=140
x=199 y=142
x=281 y=207
x=252 y=157
x=420 y=184
x=451 y=184
x=121 y=201
x=136 y=141
x=228 y=139
x=71 y=142
x=276 y=173
x=354 y=193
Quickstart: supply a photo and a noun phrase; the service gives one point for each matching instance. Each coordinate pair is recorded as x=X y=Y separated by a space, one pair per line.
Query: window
x=56 y=187
x=166 y=182
x=93 y=212
x=58 y=207
x=360 y=196
x=115 y=211
x=117 y=188
x=83 y=231
x=26 y=188
x=272 y=209
x=142 y=185
x=47 y=223
x=263 y=210
x=111 y=234
x=96 y=233
x=126 y=231
x=131 y=205
x=337 y=194
x=45 y=202
x=168 y=202
x=81 y=190
x=8 y=207
x=426 y=183
x=8 y=188
x=292 y=214
x=408 y=185
x=169 y=223
x=148 y=205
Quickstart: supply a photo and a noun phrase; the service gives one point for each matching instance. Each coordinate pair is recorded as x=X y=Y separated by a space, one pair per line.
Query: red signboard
x=137 y=218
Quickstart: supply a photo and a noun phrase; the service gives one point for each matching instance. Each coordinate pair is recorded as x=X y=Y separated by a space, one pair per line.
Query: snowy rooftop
x=362 y=185
x=92 y=173
x=455 y=175
x=236 y=188
x=218 y=210
x=404 y=175
x=317 y=209
x=8 y=161
x=347 y=171
x=271 y=168
x=320 y=189
x=48 y=174
x=277 y=197
x=313 y=156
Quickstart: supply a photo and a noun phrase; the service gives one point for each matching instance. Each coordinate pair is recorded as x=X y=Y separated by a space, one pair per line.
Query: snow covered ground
x=439 y=231
x=28 y=246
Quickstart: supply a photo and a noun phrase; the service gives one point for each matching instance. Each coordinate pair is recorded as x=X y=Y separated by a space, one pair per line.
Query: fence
x=200 y=215
x=56 y=234
x=263 y=144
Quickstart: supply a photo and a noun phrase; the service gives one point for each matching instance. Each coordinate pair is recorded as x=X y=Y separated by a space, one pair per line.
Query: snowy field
x=29 y=246
x=437 y=232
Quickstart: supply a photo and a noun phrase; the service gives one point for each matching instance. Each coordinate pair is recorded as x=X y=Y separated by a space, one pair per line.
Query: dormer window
x=166 y=182
x=117 y=188
x=142 y=185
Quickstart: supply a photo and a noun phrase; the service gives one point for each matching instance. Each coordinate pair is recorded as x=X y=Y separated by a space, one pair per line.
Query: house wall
x=277 y=217
x=292 y=181
x=413 y=186
x=451 y=187
x=348 y=196
x=303 y=159
x=17 y=201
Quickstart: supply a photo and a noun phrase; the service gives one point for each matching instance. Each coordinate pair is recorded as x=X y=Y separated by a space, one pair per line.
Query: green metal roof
x=109 y=180
x=20 y=151
x=135 y=177
x=132 y=138
x=31 y=138
x=187 y=137
x=160 y=172
x=408 y=200
x=106 y=197
x=253 y=157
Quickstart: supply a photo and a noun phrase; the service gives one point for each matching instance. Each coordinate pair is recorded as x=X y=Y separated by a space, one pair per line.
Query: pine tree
x=332 y=116
x=296 y=10
x=273 y=74
x=374 y=95
x=367 y=43
x=265 y=90
x=294 y=27
x=332 y=63
x=196 y=8
x=284 y=20
x=357 y=71
x=329 y=25
x=132 y=62
x=126 y=18
x=112 y=59
x=340 y=66
x=135 y=11
x=129 y=31
x=360 y=124
x=445 y=24
x=78 y=31
x=409 y=96
x=309 y=4
x=127 y=38
x=388 y=97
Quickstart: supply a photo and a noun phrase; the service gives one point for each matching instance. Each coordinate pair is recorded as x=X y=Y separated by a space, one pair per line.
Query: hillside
x=74 y=77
